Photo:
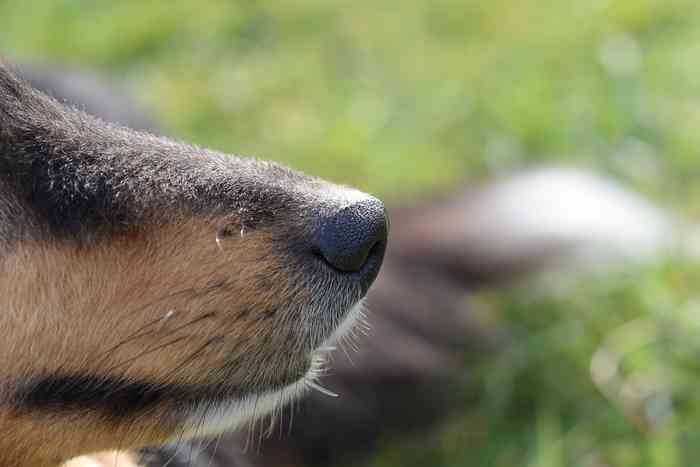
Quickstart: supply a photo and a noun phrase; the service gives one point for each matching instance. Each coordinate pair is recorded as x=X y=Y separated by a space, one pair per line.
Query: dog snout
x=353 y=239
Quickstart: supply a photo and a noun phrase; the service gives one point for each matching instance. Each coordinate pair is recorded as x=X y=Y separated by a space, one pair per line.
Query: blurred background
x=408 y=98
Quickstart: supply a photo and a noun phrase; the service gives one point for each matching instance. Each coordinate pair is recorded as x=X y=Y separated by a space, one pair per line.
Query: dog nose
x=354 y=236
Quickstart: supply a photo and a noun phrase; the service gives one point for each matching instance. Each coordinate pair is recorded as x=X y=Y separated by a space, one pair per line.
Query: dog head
x=151 y=290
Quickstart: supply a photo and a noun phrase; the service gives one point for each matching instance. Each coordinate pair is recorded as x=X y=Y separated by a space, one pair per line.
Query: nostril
x=352 y=235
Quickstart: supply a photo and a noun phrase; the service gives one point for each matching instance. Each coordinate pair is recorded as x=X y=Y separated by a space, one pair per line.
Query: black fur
x=110 y=397
x=81 y=178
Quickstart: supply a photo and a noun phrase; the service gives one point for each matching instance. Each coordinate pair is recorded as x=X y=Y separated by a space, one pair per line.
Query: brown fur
x=148 y=286
x=142 y=280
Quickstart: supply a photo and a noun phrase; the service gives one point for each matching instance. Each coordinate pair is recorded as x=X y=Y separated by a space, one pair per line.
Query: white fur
x=601 y=222
x=212 y=419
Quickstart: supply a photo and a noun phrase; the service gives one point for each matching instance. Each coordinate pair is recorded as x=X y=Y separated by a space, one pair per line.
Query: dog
x=153 y=291
x=397 y=378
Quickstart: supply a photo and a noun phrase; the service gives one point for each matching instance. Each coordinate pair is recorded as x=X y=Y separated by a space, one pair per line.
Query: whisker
x=146 y=352
x=194 y=355
x=203 y=317
x=216 y=448
x=321 y=389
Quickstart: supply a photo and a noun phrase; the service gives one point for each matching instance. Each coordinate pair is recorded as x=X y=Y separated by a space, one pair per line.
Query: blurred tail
x=544 y=219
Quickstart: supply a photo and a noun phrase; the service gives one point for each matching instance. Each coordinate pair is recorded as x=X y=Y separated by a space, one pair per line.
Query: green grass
x=605 y=374
x=404 y=97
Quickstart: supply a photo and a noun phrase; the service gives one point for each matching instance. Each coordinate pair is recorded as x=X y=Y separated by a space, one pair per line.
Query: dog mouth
x=309 y=366
x=212 y=417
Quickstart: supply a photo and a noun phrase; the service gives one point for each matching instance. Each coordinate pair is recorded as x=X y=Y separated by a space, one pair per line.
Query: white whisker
x=321 y=389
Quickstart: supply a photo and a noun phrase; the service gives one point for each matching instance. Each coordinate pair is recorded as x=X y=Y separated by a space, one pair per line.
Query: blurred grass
x=404 y=97
x=605 y=374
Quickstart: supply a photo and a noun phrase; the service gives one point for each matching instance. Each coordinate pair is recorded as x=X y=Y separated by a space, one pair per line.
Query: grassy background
x=404 y=97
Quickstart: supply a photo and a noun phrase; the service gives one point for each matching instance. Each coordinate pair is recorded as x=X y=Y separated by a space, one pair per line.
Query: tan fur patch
x=141 y=308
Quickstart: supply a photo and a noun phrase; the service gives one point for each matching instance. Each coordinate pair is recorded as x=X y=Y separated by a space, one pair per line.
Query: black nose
x=355 y=236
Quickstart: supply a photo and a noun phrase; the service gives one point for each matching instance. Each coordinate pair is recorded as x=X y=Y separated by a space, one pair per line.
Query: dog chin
x=211 y=418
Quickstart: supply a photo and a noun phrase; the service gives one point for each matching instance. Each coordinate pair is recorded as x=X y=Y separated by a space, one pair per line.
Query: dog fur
x=152 y=290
